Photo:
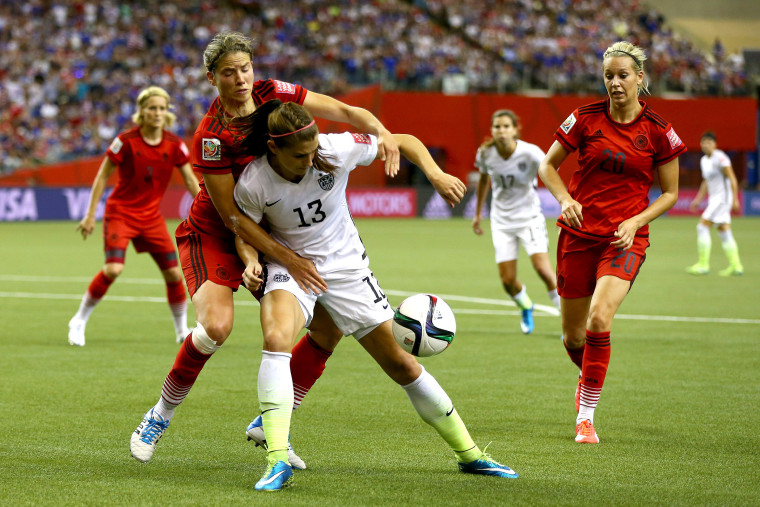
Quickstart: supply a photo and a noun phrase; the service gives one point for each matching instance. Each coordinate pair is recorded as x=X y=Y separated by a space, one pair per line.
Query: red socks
x=187 y=366
x=175 y=292
x=306 y=366
x=576 y=355
x=99 y=285
x=596 y=359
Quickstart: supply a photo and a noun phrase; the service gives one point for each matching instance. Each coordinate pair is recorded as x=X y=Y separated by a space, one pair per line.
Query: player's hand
x=735 y=206
x=252 y=276
x=388 y=150
x=626 y=233
x=572 y=213
x=693 y=206
x=449 y=187
x=86 y=226
x=476 y=225
x=305 y=273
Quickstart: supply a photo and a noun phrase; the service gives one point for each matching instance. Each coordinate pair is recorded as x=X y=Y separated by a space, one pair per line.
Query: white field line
x=544 y=310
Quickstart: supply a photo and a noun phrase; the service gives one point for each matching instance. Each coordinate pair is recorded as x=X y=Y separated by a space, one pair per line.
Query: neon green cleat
x=698 y=269
x=732 y=271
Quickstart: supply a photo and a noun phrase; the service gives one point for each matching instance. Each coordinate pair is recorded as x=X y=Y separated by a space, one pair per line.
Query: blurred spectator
x=70 y=70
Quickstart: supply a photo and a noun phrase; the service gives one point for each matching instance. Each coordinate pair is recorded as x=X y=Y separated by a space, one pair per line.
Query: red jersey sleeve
x=269 y=89
x=569 y=133
x=667 y=145
x=116 y=150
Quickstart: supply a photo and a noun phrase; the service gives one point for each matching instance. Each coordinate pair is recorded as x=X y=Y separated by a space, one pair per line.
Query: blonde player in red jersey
x=207 y=242
x=145 y=157
x=604 y=233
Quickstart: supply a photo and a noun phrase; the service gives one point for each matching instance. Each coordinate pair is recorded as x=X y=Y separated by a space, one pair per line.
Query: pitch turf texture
x=678 y=417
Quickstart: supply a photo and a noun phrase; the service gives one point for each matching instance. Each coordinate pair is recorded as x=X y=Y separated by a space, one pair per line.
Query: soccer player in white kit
x=298 y=184
x=719 y=183
x=511 y=165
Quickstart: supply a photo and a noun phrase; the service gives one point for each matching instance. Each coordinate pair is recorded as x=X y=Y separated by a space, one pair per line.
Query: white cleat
x=76 y=332
x=142 y=445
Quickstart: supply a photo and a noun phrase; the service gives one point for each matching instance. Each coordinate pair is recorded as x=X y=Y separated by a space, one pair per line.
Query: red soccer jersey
x=144 y=172
x=210 y=142
x=617 y=163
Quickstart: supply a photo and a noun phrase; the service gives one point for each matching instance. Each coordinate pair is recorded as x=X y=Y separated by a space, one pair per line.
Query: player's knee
x=217 y=330
x=599 y=319
x=172 y=275
x=277 y=340
x=574 y=338
x=404 y=370
x=113 y=269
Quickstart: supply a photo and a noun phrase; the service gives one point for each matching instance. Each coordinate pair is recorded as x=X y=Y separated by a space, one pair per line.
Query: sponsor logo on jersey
x=282 y=87
x=281 y=277
x=522 y=166
x=641 y=142
x=568 y=123
x=212 y=149
x=361 y=138
x=116 y=146
x=675 y=141
x=326 y=181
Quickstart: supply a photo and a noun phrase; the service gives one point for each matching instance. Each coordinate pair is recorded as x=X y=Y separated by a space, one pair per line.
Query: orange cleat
x=585 y=433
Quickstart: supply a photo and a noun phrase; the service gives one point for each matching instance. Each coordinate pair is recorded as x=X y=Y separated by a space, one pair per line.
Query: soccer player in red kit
x=605 y=213
x=215 y=240
x=145 y=157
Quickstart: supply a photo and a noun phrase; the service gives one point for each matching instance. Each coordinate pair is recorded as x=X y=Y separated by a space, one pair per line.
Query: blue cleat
x=255 y=432
x=278 y=475
x=526 y=322
x=487 y=466
x=142 y=445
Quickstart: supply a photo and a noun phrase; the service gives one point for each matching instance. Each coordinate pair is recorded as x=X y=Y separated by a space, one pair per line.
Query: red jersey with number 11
x=617 y=163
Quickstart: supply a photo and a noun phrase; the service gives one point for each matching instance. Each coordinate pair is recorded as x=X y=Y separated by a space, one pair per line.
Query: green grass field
x=678 y=418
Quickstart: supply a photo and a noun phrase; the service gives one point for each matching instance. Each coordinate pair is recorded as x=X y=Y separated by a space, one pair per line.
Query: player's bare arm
x=221 y=190
x=451 y=188
x=190 y=179
x=483 y=184
x=668 y=176
x=728 y=172
x=571 y=209
x=87 y=224
x=329 y=108
x=694 y=204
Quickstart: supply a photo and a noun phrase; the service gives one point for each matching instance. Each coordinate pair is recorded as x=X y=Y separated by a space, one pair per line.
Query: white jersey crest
x=514 y=200
x=311 y=217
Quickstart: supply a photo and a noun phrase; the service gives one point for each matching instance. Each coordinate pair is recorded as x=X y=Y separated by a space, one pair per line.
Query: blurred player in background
x=298 y=183
x=209 y=251
x=145 y=157
x=606 y=212
x=516 y=218
x=719 y=183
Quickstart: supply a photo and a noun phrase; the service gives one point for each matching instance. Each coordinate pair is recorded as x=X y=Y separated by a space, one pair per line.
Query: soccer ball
x=424 y=325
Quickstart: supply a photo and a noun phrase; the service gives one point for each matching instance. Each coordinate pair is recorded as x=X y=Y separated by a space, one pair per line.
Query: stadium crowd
x=70 y=71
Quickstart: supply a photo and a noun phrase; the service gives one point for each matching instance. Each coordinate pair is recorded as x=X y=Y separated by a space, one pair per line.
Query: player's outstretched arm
x=450 y=187
x=332 y=109
x=221 y=189
x=571 y=209
x=87 y=224
x=190 y=179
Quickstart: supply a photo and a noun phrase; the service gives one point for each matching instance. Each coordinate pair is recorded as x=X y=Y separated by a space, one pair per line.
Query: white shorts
x=353 y=299
x=717 y=212
x=534 y=238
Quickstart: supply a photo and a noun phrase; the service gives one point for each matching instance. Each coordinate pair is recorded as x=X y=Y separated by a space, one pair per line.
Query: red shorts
x=146 y=235
x=206 y=257
x=581 y=262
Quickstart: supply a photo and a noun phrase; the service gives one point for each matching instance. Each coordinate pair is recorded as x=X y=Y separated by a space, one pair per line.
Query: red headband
x=289 y=133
